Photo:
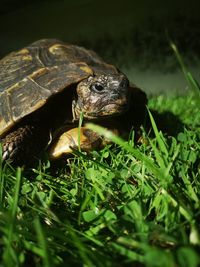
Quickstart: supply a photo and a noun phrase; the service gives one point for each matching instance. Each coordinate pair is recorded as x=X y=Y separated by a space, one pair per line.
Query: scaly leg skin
x=23 y=145
x=68 y=141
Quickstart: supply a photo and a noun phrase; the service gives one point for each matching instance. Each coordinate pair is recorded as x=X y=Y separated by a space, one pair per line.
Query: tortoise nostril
x=124 y=83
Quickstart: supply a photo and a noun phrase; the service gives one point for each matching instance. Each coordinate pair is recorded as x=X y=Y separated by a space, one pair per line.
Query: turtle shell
x=30 y=76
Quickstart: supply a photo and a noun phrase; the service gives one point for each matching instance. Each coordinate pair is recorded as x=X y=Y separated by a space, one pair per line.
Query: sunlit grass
x=125 y=205
x=129 y=204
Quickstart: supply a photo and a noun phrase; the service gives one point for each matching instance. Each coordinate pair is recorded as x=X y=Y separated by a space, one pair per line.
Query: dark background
x=132 y=34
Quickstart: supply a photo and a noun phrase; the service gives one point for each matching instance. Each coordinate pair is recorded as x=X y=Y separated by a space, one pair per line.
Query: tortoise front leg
x=23 y=145
x=71 y=139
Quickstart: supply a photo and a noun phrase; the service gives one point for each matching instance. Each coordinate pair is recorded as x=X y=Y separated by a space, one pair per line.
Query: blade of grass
x=130 y=254
x=16 y=194
x=161 y=143
x=188 y=76
x=79 y=130
x=9 y=255
x=159 y=158
x=137 y=154
x=162 y=154
x=82 y=250
x=42 y=243
x=193 y=81
x=1 y=177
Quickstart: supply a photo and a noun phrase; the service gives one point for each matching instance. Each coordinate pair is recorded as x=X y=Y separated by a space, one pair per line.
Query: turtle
x=47 y=86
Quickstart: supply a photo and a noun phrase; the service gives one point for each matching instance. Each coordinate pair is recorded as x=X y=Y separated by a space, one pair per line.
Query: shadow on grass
x=166 y=122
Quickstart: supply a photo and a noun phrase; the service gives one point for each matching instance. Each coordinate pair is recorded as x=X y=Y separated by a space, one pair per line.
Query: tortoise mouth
x=110 y=110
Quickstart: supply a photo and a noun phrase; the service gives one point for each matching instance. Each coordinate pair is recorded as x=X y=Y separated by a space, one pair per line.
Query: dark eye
x=97 y=87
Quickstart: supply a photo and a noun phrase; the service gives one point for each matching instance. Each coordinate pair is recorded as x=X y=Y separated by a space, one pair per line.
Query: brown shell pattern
x=28 y=77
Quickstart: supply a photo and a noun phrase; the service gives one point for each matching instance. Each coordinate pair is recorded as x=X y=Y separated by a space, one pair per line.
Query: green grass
x=126 y=205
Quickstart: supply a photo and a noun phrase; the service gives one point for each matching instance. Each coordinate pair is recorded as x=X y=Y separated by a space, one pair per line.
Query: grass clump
x=125 y=205
x=122 y=206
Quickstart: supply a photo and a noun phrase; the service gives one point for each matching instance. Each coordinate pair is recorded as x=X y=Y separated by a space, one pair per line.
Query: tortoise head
x=101 y=95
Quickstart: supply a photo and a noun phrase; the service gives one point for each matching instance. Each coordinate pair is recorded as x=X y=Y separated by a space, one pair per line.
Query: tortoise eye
x=97 y=87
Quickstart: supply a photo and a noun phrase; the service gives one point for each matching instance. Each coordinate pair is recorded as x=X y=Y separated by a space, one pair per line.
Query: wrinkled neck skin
x=76 y=111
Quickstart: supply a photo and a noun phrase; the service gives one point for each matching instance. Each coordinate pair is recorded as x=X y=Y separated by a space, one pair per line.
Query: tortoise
x=44 y=89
